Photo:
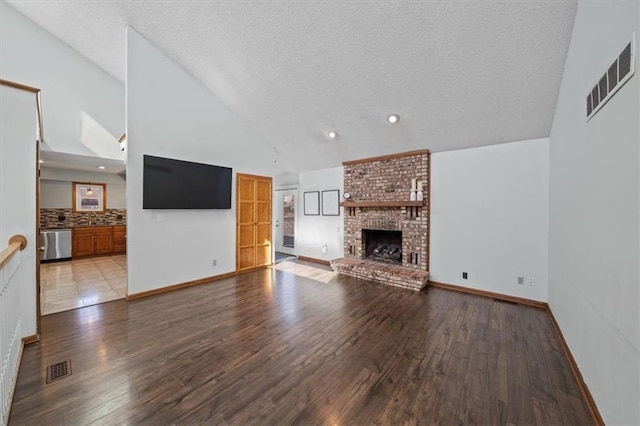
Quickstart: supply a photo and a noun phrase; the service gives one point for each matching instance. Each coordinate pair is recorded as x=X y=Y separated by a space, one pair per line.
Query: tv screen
x=176 y=184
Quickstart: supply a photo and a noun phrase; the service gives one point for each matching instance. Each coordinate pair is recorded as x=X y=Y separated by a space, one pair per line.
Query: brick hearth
x=399 y=276
x=380 y=189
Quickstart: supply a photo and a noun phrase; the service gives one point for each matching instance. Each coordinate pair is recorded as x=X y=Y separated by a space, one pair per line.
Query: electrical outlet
x=324 y=249
x=465 y=275
x=520 y=280
x=214 y=262
x=531 y=281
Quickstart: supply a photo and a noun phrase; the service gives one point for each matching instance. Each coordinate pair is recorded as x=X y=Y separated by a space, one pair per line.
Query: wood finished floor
x=299 y=345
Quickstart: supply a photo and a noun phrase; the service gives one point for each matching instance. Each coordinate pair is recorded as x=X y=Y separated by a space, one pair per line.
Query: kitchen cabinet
x=98 y=240
x=82 y=242
x=103 y=239
x=119 y=239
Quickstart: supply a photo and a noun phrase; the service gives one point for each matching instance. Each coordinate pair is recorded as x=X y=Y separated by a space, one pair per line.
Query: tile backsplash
x=66 y=218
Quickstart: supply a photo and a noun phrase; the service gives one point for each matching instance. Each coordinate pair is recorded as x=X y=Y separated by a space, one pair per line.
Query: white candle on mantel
x=419 y=185
x=413 y=184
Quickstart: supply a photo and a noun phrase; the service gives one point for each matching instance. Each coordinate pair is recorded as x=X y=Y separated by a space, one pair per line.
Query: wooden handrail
x=19 y=86
x=17 y=242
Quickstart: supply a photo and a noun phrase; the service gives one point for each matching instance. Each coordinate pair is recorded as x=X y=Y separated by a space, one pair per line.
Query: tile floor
x=82 y=282
x=306 y=269
x=281 y=257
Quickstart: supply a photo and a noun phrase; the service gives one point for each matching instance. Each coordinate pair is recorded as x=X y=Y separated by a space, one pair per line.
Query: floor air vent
x=58 y=371
x=615 y=76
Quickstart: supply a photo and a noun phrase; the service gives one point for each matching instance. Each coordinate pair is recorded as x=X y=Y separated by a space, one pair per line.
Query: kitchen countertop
x=77 y=226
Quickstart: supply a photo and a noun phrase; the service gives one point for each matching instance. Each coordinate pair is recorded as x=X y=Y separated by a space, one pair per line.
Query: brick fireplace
x=380 y=216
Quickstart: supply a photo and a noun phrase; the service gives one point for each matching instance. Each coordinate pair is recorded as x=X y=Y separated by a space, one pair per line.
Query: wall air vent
x=613 y=79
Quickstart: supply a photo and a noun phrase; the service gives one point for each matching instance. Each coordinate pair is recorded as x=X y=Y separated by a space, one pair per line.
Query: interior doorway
x=83 y=252
x=285 y=225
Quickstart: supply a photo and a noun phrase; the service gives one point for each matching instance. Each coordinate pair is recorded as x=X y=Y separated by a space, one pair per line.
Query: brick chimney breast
x=381 y=189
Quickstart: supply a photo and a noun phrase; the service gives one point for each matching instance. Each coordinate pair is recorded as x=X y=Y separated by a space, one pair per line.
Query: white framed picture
x=331 y=202
x=88 y=197
x=312 y=203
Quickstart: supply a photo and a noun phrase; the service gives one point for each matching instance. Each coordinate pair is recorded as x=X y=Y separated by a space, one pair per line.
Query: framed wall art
x=88 y=197
x=312 y=203
x=331 y=202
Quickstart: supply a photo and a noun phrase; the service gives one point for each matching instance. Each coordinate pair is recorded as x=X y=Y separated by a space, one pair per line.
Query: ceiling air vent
x=619 y=72
x=613 y=76
x=595 y=98
x=624 y=61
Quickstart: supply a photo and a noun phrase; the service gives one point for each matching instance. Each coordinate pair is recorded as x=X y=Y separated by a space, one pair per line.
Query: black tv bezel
x=156 y=206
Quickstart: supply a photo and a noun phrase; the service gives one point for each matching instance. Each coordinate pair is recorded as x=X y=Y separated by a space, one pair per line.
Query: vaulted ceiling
x=459 y=73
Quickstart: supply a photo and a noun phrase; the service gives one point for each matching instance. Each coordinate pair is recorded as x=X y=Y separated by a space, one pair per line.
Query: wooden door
x=253 y=219
x=263 y=221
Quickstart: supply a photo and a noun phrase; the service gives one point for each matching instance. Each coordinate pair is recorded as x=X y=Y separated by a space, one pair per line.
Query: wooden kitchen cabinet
x=119 y=239
x=82 y=244
x=98 y=240
x=103 y=239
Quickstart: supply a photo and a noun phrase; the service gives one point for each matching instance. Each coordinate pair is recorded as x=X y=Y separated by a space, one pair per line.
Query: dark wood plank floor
x=299 y=345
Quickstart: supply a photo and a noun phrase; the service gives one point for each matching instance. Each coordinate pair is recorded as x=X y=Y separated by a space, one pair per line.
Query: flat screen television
x=176 y=184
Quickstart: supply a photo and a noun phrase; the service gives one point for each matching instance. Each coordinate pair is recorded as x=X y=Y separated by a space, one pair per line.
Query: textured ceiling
x=459 y=74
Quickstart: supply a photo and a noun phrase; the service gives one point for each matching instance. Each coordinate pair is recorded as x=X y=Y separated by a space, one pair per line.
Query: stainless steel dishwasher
x=55 y=244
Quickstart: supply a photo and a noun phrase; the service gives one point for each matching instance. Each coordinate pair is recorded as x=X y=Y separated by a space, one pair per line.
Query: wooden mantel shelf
x=382 y=203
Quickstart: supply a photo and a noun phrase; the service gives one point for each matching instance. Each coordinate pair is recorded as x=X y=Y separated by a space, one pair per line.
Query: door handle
x=41 y=248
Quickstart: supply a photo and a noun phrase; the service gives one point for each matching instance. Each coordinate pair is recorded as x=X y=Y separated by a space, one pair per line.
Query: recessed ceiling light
x=331 y=134
x=393 y=118
x=101 y=167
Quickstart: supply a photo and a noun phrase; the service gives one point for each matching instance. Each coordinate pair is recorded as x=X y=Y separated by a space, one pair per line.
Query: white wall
x=285 y=180
x=169 y=114
x=594 y=214
x=314 y=232
x=56 y=186
x=81 y=103
x=17 y=190
x=489 y=217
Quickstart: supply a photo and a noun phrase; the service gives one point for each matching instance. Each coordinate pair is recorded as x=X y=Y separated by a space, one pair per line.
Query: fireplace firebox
x=382 y=246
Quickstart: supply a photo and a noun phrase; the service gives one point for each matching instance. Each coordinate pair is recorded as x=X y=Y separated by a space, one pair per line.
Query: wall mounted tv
x=176 y=184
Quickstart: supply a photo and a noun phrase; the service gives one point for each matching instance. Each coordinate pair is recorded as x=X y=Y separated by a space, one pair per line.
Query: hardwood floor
x=297 y=344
